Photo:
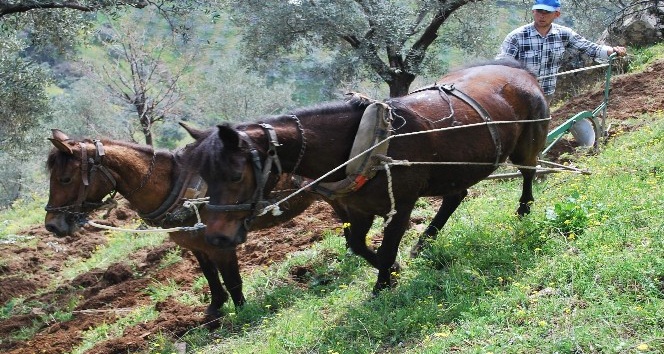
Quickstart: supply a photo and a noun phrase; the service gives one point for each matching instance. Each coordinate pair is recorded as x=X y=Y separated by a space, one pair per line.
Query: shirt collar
x=555 y=29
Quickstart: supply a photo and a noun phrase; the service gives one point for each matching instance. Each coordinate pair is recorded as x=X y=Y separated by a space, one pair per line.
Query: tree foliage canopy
x=23 y=100
x=390 y=38
x=36 y=33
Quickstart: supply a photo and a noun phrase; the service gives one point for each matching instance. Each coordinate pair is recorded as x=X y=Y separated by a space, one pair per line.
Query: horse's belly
x=450 y=180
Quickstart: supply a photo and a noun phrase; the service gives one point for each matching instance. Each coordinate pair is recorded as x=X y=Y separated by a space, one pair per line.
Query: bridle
x=261 y=172
x=89 y=168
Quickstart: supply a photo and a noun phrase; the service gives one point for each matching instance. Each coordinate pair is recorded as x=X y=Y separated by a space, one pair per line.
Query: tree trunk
x=400 y=84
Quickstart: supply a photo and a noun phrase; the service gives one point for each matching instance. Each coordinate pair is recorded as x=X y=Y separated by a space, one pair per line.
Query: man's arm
x=592 y=49
x=509 y=48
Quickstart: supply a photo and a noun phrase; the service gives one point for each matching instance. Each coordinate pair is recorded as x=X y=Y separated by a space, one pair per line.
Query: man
x=540 y=45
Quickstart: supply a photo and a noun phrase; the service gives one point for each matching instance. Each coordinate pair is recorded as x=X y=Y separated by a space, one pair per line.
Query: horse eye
x=65 y=180
x=236 y=177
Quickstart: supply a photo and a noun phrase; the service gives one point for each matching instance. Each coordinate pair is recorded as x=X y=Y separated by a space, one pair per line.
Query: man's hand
x=620 y=51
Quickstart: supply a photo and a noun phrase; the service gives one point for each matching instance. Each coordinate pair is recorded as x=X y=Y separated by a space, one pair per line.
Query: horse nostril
x=219 y=241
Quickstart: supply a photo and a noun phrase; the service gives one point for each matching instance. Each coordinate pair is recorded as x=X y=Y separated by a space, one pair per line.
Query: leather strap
x=495 y=134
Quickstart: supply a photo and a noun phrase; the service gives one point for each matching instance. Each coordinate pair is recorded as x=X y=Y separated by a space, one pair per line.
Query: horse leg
x=217 y=293
x=388 y=268
x=342 y=214
x=227 y=264
x=356 y=235
x=450 y=203
x=527 y=157
x=527 y=191
x=530 y=143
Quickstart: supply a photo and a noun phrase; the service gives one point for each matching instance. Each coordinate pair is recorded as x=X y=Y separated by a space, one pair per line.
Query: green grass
x=118 y=246
x=106 y=331
x=639 y=58
x=583 y=273
x=22 y=215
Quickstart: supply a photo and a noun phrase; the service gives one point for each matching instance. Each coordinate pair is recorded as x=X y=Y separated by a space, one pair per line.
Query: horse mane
x=203 y=153
x=354 y=101
x=332 y=108
x=57 y=158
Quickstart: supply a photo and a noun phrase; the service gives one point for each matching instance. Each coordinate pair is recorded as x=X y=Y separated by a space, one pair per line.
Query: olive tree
x=389 y=38
x=34 y=36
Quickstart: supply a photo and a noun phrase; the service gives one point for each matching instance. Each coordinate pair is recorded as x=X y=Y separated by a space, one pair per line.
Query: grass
x=22 y=215
x=639 y=58
x=107 y=331
x=118 y=246
x=583 y=273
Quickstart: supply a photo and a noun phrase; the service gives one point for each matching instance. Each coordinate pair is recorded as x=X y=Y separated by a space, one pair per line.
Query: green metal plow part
x=587 y=126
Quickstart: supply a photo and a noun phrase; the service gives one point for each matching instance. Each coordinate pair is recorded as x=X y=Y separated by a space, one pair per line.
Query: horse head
x=227 y=157
x=78 y=182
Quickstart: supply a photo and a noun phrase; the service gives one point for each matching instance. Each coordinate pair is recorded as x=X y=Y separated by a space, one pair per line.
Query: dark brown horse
x=475 y=119
x=84 y=172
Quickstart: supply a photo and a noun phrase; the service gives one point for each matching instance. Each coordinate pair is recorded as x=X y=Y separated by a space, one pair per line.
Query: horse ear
x=194 y=132
x=229 y=137
x=59 y=135
x=59 y=141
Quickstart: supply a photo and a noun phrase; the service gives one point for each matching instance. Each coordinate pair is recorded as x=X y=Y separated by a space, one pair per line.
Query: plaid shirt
x=543 y=55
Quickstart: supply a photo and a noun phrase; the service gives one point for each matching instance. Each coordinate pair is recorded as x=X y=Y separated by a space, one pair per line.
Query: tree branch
x=7 y=8
x=417 y=52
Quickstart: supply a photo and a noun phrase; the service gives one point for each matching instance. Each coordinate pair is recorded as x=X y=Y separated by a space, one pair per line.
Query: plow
x=588 y=128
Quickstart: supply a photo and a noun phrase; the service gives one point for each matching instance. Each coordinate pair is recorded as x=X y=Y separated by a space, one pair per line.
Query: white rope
x=393 y=211
x=113 y=228
x=504 y=164
x=189 y=203
x=275 y=206
x=574 y=71
x=270 y=207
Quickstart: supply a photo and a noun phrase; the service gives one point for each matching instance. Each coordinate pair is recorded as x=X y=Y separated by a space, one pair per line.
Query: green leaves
x=571 y=216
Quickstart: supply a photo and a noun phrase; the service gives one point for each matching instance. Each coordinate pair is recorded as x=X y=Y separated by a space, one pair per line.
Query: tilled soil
x=30 y=269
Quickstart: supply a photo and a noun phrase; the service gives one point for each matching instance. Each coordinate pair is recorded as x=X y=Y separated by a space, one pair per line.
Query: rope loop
x=393 y=211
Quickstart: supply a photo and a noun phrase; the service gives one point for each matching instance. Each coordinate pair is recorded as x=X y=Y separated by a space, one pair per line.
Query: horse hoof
x=212 y=316
x=387 y=283
x=211 y=322
x=396 y=268
x=416 y=251
x=524 y=209
x=378 y=288
x=381 y=286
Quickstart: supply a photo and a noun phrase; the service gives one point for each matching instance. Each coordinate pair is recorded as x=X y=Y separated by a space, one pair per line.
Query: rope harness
x=386 y=162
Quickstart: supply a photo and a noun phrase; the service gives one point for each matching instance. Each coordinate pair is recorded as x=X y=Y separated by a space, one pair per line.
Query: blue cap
x=547 y=5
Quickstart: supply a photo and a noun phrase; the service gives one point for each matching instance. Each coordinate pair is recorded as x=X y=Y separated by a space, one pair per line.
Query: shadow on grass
x=434 y=290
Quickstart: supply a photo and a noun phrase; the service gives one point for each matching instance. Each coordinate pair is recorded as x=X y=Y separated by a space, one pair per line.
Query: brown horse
x=453 y=134
x=83 y=173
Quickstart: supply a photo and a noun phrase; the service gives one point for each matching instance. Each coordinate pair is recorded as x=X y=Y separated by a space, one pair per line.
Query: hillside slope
x=33 y=270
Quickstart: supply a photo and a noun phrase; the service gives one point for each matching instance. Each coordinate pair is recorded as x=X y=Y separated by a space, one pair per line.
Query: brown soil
x=29 y=269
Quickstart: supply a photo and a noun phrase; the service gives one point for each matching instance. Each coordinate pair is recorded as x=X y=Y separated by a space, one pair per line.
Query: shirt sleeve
x=583 y=45
x=509 y=48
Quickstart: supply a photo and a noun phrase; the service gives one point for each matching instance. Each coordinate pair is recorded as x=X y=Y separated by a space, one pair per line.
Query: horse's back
x=495 y=80
x=507 y=92
x=504 y=93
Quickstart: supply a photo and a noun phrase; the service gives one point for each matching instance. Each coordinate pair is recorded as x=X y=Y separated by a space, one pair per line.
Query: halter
x=261 y=173
x=89 y=168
